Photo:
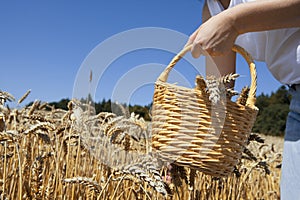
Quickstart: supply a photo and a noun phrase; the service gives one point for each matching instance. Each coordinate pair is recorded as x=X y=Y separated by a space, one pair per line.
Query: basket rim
x=253 y=85
x=180 y=87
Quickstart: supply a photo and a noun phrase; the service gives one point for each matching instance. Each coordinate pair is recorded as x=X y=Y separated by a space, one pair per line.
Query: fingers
x=197 y=50
x=192 y=38
x=197 y=39
x=198 y=47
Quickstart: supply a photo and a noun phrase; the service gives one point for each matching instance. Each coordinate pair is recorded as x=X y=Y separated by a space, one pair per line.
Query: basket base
x=210 y=167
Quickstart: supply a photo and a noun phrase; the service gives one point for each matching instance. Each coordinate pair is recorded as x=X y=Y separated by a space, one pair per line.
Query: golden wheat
x=24 y=97
x=56 y=154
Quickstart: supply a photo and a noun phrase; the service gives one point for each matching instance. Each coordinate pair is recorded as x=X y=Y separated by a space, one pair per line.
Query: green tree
x=281 y=96
x=142 y=111
x=273 y=111
x=272 y=120
x=62 y=104
x=262 y=102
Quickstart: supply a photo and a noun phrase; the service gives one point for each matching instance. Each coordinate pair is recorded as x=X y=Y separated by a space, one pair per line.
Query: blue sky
x=44 y=43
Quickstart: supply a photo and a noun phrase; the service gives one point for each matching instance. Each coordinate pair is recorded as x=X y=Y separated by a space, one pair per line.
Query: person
x=270 y=31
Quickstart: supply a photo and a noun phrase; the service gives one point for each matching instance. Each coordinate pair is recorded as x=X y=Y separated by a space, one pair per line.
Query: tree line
x=109 y=106
x=271 y=119
x=273 y=111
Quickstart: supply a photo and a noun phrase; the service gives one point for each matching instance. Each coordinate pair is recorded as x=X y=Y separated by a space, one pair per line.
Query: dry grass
x=48 y=153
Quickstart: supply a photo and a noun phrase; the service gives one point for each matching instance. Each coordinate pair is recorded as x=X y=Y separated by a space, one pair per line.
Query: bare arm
x=217 y=35
x=265 y=15
x=225 y=63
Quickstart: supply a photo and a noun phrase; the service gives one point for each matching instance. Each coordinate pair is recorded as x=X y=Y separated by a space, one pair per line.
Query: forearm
x=264 y=15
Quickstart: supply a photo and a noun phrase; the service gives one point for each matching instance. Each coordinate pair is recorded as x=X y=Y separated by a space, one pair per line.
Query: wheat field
x=49 y=153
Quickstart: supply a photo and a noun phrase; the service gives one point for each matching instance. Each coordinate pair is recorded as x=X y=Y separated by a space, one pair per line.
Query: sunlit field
x=49 y=153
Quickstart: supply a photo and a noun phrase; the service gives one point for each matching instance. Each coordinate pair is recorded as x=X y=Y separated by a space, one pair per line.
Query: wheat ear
x=200 y=83
x=34 y=106
x=85 y=181
x=243 y=96
x=146 y=169
x=37 y=178
x=213 y=89
x=24 y=96
x=228 y=78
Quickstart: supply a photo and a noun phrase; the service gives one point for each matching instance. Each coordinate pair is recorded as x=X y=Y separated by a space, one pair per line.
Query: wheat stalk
x=178 y=174
x=85 y=181
x=2 y=122
x=33 y=167
x=43 y=105
x=34 y=106
x=5 y=96
x=24 y=97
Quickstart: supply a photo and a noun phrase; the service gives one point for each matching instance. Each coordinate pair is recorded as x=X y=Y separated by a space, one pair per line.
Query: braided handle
x=252 y=93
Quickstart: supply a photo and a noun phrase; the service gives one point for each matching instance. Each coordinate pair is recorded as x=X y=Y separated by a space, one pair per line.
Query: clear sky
x=44 y=43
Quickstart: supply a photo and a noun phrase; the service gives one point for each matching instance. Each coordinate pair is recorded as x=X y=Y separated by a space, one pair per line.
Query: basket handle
x=252 y=92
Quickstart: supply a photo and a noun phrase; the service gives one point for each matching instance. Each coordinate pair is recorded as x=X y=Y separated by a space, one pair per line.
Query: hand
x=216 y=36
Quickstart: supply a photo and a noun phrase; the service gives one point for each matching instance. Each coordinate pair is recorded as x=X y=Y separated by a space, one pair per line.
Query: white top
x=280 y=48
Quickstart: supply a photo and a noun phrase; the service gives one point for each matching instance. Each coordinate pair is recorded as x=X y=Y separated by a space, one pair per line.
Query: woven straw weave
x=191 y=131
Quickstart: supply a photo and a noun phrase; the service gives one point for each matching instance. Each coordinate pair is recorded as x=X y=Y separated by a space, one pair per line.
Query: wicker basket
x=191 y=131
